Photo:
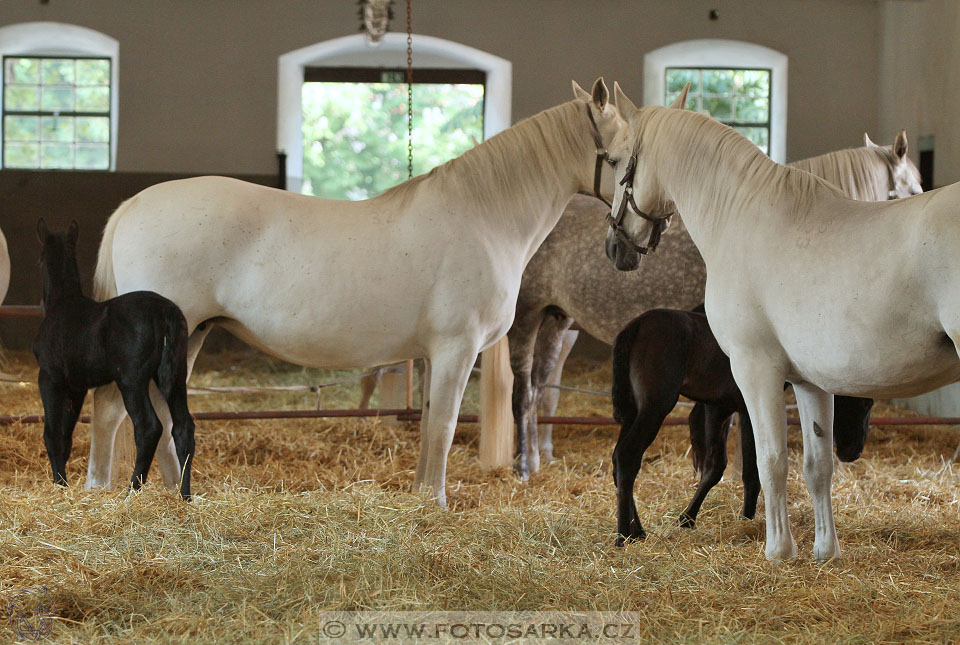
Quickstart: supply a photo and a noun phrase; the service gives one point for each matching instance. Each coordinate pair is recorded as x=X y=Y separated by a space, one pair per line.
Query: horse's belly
x=320 y=347
x=899 y=369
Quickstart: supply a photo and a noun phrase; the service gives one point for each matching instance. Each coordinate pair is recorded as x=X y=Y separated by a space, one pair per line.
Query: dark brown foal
x=665 y=353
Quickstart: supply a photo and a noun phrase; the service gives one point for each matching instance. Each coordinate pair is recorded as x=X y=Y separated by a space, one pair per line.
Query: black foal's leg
x=183 y=435
x=147 y=428
x=696 y=421
x=56 y=401
x=636 y=435
x=750 y=474
x=716 y=427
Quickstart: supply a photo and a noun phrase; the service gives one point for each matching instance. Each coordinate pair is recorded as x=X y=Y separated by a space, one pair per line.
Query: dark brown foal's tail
x=624 y=404
x=173 y=359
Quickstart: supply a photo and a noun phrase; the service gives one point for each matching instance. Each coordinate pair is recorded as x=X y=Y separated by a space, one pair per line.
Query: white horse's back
x=339 y=270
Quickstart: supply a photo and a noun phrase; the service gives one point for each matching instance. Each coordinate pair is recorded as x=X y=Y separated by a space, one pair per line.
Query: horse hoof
x=623 y=540
x=686 y=522
x=523 y=472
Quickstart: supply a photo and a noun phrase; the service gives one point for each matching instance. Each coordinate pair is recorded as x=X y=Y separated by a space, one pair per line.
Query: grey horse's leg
x=551 y=395
x=545 y=357
x=522 y=338
x=368 y=384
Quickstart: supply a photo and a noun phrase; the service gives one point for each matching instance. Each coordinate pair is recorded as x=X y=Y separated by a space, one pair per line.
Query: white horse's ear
x=600 y=94
x=680 y=102
x=867 y=142
x=623 y=102
x=900 y=145
x=579 y=92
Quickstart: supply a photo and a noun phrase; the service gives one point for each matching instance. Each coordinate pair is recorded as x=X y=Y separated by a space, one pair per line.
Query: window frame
x=732 y=123
x=4 y=112
x=725 y=54
x=64 y=40
x=430 y=51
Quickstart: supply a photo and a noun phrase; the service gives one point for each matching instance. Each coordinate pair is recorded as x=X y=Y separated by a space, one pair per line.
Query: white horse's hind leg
x=108 y=413
x=448 y=379
x=369 y=384
x=816 y=418
x=762 y=388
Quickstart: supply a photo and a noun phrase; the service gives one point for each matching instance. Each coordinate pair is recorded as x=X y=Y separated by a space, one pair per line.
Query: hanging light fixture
x=375 y=17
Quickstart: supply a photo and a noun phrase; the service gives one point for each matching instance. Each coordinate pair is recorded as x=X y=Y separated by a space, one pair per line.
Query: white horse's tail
x=104 y=281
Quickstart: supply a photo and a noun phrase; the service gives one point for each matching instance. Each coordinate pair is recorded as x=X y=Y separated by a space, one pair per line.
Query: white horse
x=430 y=269
x=803 y=285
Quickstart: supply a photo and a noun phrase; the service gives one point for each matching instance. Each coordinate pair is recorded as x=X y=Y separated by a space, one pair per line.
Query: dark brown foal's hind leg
x=714 y=431
x=750 y=474
x=635 y=438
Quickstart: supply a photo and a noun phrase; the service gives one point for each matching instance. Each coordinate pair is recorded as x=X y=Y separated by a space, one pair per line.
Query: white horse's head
x=904 y=176
x=605 y=123
x=640 y=212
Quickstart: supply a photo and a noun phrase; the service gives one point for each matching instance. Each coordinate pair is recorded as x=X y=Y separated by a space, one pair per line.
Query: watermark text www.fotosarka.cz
x=479 y=626
x=32 y=613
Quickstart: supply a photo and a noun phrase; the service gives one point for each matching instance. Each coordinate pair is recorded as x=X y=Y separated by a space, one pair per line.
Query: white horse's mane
x=721 y=170
x=527 y=150
x=861 y=173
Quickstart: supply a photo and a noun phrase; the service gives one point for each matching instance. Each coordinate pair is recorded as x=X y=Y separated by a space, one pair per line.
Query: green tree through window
x=355 y=134
x=738 y=97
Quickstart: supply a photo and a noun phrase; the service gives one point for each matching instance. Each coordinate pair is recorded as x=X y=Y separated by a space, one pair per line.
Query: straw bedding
x=292 y=518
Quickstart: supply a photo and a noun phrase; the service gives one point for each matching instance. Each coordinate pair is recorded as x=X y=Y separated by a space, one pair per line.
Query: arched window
x=353 y=53
x=742 y=84
x=59 y=97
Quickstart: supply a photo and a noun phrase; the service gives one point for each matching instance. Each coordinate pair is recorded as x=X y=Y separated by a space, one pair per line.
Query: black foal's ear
x=41 y=230
x=73 y=232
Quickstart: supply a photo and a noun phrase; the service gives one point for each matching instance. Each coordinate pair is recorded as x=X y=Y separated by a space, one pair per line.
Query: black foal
x=129 y=340
x=665 y=353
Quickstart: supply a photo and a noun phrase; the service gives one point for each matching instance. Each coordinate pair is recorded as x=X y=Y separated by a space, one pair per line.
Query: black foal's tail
x=173 y=358
x=624 y=404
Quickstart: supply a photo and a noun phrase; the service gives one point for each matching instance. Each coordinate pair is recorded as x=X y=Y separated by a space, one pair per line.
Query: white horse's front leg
x=762 y=387
x=108 y=414
x=448 y=379
x=816 y=418
x=424 y=423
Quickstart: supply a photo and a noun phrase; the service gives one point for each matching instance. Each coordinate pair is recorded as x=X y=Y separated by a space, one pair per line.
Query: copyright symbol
x=334 y=629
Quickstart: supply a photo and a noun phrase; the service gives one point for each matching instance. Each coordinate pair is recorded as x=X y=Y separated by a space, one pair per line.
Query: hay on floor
x=295 y=517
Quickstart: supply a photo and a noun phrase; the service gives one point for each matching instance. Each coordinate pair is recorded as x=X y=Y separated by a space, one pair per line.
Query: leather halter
x=601 y=157
x=892 y=193
x=616 y=221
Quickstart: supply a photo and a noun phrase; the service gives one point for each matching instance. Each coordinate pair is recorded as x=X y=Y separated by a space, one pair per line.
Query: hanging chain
x=409 y=89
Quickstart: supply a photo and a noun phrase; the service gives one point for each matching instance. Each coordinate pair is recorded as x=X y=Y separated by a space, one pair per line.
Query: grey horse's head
x=622 y=253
